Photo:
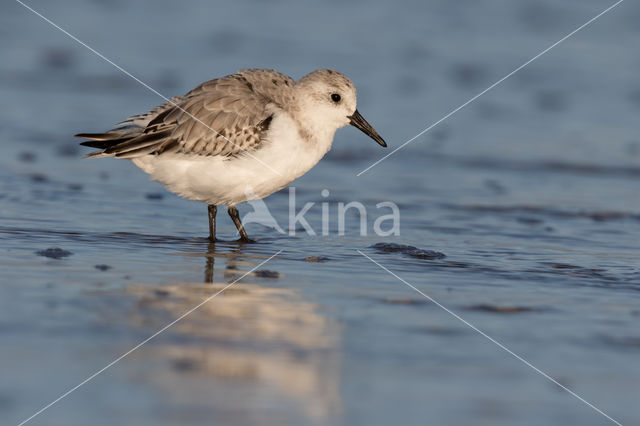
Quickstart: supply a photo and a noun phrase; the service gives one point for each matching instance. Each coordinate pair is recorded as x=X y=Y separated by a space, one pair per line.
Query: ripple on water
x=502 y=309
x=577 y=271
x=316 y=259
x=598 y=216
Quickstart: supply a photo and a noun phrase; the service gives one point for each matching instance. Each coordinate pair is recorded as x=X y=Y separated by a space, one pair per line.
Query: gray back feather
x=226 y=116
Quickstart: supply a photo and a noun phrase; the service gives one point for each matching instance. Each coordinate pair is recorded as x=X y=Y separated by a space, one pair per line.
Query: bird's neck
x=314 y=132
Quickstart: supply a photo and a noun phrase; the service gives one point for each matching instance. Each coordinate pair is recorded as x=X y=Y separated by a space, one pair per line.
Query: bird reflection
x=208 y=269
x=251 y=350
x=235 y=256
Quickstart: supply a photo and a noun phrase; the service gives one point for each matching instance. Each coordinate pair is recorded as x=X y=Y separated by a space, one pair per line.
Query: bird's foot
x=246 y=240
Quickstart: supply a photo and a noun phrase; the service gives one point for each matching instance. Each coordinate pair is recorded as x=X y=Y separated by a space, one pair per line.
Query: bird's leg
x=212 y=222
x=233 y=212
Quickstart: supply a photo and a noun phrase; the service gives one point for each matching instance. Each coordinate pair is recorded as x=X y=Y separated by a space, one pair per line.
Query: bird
x=236 y=138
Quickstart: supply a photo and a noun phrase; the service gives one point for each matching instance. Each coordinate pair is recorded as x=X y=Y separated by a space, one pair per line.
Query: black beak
x=358 y=121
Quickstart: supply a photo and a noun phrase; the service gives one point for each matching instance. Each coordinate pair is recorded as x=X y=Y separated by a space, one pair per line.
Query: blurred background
x=531 y=193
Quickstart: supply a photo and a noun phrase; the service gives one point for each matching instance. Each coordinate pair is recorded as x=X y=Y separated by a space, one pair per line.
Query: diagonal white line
x=145 y=85
x=112 y=363
x=491 y=87
x=500 y=345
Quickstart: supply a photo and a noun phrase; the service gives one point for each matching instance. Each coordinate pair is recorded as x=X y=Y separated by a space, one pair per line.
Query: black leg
x=212 y=222
x=233 y=212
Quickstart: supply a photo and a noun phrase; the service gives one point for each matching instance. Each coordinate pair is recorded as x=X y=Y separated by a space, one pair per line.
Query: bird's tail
x=105 y=141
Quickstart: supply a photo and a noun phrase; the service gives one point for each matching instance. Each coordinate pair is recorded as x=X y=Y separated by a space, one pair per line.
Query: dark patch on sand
x=154 y=196
x=265 y=273
x=54 y=253
x=102 y=267
x=408 y=250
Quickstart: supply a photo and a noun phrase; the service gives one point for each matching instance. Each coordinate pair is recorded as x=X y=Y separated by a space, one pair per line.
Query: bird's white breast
x=283 y=156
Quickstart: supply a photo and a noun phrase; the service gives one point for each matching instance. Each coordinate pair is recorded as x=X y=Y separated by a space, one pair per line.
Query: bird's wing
x=225 y=116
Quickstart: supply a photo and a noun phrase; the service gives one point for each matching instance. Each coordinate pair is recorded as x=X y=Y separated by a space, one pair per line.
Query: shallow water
x=530 y=193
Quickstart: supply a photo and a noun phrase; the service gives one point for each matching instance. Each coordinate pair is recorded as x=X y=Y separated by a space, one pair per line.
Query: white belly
x=284 y=157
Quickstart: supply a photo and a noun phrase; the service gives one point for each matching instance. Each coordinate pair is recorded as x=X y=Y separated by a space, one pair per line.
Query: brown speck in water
x=316 y=259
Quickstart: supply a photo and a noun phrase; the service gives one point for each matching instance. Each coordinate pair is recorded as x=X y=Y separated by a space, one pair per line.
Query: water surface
x=531 y=194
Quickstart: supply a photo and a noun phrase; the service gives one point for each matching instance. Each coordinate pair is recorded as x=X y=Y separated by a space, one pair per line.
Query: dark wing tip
x=102 y=140
x=95 y=144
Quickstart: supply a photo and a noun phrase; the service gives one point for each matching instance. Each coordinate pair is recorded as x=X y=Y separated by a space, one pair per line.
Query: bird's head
x=329 y=98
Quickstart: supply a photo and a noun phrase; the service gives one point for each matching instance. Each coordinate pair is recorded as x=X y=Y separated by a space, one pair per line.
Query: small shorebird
x=237 y=138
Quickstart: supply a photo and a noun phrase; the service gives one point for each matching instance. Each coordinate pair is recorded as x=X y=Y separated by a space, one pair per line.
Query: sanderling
x=237 y=138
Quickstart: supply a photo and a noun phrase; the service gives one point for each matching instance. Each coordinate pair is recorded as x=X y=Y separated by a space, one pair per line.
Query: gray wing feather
x=225 y=116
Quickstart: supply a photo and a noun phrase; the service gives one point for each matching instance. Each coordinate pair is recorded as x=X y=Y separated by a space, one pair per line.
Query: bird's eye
x=335 y=97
